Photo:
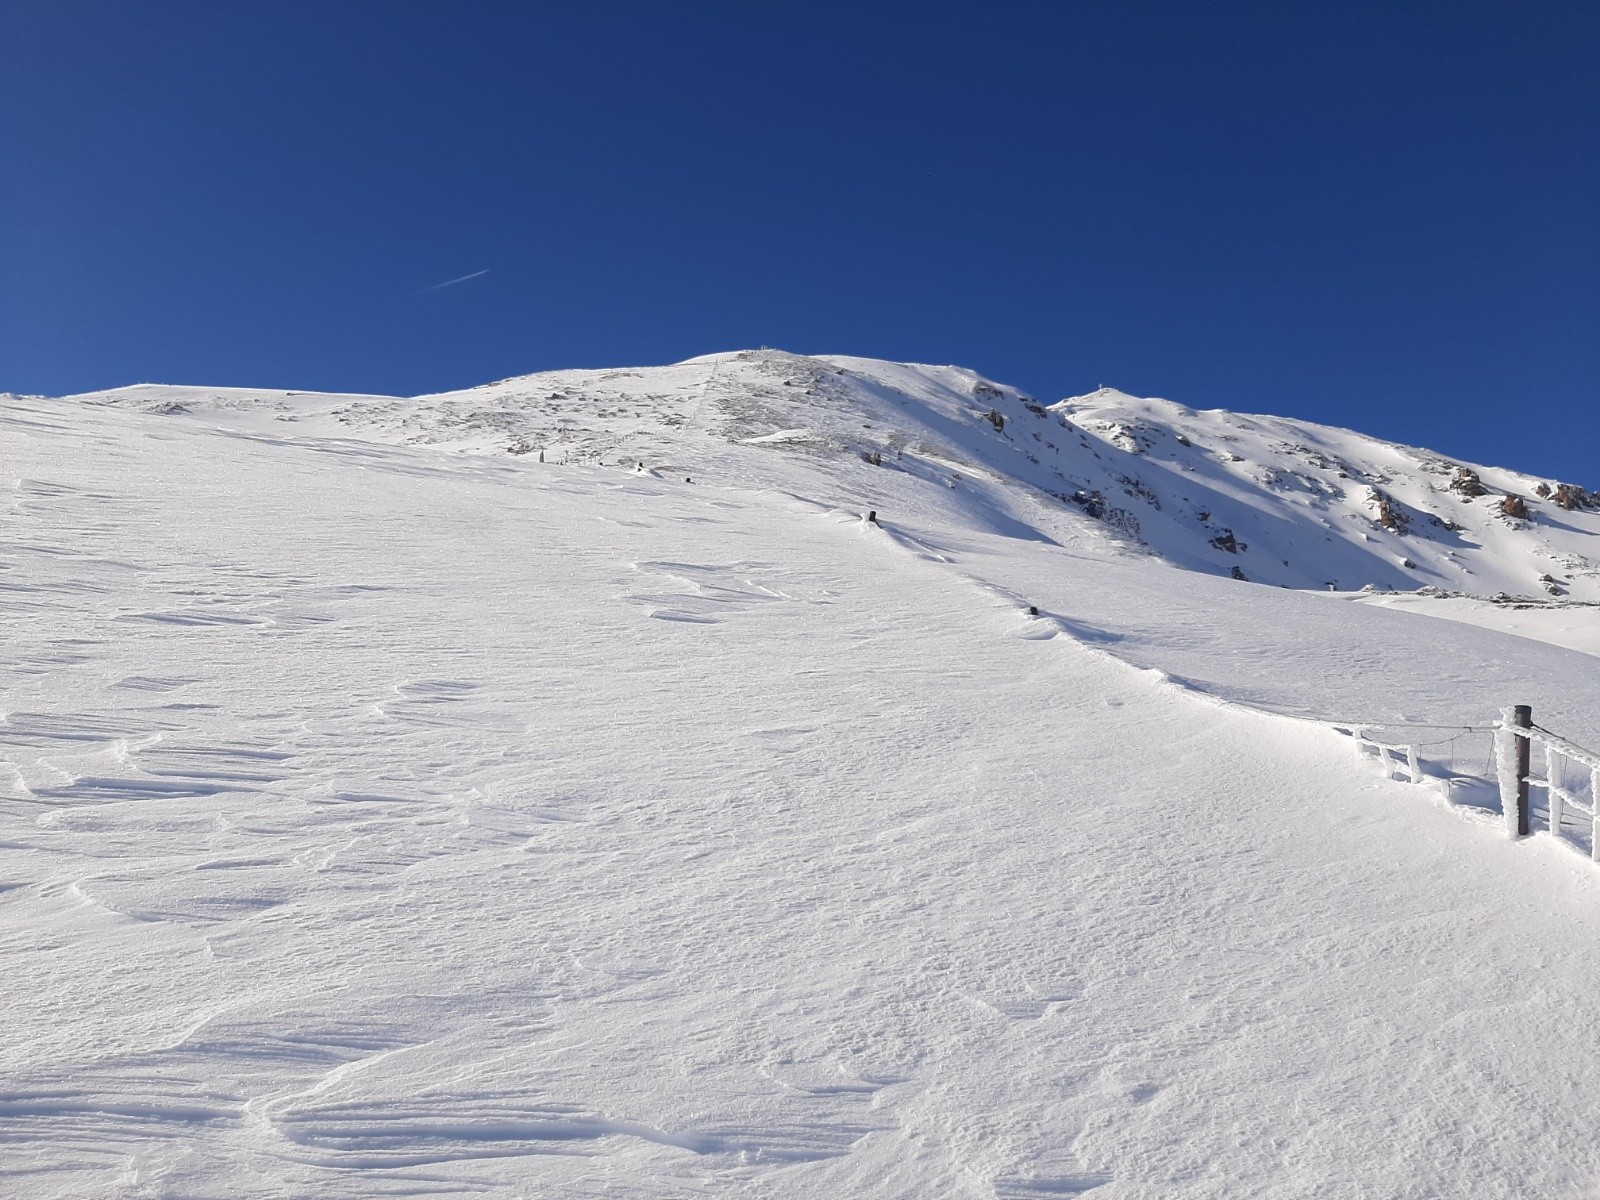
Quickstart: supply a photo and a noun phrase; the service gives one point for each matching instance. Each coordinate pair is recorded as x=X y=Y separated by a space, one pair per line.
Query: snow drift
x=388 y=811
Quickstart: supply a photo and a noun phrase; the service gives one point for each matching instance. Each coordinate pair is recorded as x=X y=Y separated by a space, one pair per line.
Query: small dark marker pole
x=1522 y=718
x=872 y=517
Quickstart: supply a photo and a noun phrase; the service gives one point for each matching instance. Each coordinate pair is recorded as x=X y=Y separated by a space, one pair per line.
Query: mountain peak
x=1259 y=498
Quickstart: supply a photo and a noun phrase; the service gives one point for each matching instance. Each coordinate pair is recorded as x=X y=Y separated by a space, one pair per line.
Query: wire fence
x=1570 y=783
x=1532 y=779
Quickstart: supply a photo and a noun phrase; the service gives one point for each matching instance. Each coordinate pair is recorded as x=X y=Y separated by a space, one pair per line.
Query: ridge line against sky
x=1374 y=216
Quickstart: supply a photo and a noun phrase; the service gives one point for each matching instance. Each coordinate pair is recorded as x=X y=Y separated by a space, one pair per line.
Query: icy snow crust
x=388 y=821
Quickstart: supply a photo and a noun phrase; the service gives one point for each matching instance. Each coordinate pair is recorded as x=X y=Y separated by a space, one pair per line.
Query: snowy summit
x=1265 y=499
x=785 y=776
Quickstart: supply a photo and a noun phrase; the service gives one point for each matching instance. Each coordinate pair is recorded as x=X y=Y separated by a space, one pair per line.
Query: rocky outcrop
x=1467 y=483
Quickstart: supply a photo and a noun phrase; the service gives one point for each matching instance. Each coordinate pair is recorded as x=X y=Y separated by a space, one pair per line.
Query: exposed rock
x=1514 y=506
x=1137 y=487
x=1389 y=514
x=1569 y=497
x=1092 y=503
x=1124 y=522
x=1467 y=483
x=1323 y=462
x=1133 y=437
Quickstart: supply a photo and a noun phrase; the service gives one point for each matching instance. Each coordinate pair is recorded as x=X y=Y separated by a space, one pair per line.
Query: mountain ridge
x=1261 y=498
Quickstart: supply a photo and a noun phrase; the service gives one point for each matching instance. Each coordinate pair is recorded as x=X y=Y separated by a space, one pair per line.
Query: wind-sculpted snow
x=382 y=820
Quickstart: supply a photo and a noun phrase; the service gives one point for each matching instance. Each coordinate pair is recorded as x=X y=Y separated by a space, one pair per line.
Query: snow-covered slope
x=1264 y=499
x=383 y=813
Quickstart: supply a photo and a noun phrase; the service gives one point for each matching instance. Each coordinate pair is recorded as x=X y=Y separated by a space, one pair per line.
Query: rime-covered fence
x=1404 y=761
x=1570 y=782
x=1543 y=782
x=1389 y=754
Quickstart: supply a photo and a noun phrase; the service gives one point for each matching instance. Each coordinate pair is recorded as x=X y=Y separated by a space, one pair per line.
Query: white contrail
x=453 y=282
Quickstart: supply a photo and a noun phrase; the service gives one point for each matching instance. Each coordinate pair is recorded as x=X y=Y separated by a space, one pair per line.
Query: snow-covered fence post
x=1522 y=717
x=1556 y=777
x=1412 y=765
x=1594 y=806
x=1387 y=759
x=1511 y=768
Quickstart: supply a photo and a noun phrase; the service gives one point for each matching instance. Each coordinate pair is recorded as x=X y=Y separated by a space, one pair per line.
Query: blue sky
x=1385 y=216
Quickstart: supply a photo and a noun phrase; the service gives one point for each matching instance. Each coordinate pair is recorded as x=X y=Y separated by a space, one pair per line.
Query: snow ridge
x=1262 y=499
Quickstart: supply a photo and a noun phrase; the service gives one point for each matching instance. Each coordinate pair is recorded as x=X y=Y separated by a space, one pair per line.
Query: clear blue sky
x=1381 y=215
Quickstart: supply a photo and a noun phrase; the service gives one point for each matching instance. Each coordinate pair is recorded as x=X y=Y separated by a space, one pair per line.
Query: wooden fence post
x=1522 y=718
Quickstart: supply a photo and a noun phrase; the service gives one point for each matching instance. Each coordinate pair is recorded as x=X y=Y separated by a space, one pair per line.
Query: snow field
x=385 y=824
